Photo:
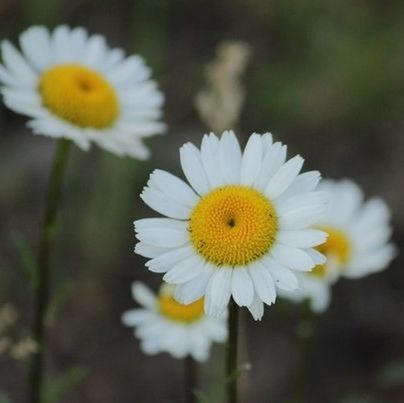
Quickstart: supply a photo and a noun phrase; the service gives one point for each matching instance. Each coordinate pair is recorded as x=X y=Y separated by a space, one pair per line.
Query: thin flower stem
x=43 y=265
x=191 y=379
x=305 y=340
x=232 y=347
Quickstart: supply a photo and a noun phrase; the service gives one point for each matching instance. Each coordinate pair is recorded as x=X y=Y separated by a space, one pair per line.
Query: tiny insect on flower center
x=79 y=95
x=233 y=226
x=173 y=310
x=337 y=246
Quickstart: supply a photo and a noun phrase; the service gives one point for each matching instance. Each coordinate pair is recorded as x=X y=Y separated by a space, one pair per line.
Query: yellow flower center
x=337 y=247
x=79 y=95
x=233 y=226
x=173 y=310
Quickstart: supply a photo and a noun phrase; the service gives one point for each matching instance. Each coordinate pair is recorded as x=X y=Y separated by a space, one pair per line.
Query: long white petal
x=192 y=167
x=143 y=295
x=185 y=270
x=256 y=308
x=305 y=238
x=166 y=261
x=242 y=287
x=195 y=288
x=284 y=278
x=292 y=258
x=218 y=291
x=211 y=160
x=160 y=203
x=173 y=187
x=230 y=157
x=263 y=282
x=163 y=237
x=251 y=160
x=284 y=177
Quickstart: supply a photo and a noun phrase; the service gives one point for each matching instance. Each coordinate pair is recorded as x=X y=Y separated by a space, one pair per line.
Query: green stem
x=305 y=341
x=43 y=265
x=191 y=379
x=232 y=347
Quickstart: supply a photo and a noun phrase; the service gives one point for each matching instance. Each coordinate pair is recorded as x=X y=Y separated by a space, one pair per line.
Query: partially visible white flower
x=358 y=242
x=165 y=325
x=242 y=227
x=72 y=85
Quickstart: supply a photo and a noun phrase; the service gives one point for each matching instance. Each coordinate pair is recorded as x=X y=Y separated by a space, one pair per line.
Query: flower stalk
x=191 y=379
x=46 y=246
x=232 y=349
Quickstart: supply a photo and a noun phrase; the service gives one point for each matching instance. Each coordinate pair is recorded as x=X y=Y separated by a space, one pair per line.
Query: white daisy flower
x=165 y=325
x=239 y=230
x=72 y=85
x=357 y=245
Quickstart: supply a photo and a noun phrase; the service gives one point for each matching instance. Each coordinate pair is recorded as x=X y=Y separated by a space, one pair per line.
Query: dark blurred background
x=327 y=78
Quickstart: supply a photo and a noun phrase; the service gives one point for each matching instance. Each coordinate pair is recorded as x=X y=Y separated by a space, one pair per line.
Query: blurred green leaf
x=4 y=398
x=27 y=259
x=391 y=375
x=58 y=301
x=56 y=389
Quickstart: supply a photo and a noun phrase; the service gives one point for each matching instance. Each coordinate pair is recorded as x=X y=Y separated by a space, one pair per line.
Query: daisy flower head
x=240 y=228
x=165 y=325
x=72 y=85
x=358 y=242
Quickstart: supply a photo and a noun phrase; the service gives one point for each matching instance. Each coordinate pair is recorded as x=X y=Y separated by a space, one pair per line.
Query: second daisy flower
x=240 y=229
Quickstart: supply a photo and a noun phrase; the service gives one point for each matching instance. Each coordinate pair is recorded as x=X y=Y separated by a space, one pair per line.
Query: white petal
x=160 y=203
x=35 y=43
x=173 y=187
x=263 y=282
x=301 y=200
x=302 y=217
x=195 y=288
x=143 y=295
x=292 y=258
x=166 y=261
x=160 y=223
x=218 y=291
x=305 y=238
x=17 y=65
x=252 y=160
x=284 y=177
x=163 y=237
x=185 y=270
x=242 y=287
x=316 y=256
x=192 y=167
x=230 y=157
x=305 y=182
x=284 y=278
x=211 y=160
x=256 y=308
x=272 y=161
x=135 y=317
x=266 y=140
x=149 y=251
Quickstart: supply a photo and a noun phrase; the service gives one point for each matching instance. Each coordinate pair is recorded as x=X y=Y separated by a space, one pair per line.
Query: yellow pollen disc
x=337 y=246
x=173 y=310
x=79 y=95
x=233 y=226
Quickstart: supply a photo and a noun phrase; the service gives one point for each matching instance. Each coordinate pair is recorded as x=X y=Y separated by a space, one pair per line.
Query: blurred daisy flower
x=72 y=85
x=357 y=244
x=239 y=230
x=165 y=325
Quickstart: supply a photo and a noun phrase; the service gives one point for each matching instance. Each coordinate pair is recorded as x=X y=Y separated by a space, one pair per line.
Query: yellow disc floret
x=173 y=310
x=337 y=247
x=79 y=95
x=233 y=226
